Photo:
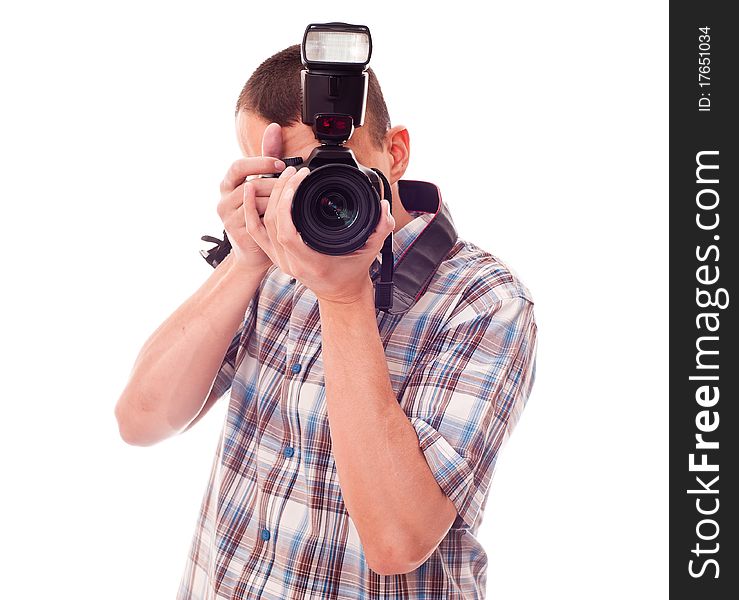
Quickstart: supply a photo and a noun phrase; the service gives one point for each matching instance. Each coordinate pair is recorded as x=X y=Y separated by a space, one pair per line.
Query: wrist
x=241 y=269
x=362 y=296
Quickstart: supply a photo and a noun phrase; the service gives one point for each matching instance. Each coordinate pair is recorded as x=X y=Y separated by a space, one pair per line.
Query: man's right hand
x=246 y=252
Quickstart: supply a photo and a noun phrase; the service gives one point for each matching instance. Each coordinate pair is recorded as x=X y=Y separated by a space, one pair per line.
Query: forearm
x=176 y=366
x=382 y=471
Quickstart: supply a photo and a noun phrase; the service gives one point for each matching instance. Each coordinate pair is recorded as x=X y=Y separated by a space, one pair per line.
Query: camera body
x=337 y=206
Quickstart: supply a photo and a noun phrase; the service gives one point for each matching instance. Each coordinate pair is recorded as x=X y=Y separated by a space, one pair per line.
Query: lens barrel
x=335 y=209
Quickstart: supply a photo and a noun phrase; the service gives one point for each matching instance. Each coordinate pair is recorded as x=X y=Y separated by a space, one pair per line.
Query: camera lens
x=335 y=208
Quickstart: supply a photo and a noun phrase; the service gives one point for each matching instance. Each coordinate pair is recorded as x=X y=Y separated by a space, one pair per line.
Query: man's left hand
x=332 y=278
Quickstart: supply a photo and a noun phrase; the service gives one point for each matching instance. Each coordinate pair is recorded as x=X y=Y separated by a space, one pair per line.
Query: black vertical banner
x=704 y=296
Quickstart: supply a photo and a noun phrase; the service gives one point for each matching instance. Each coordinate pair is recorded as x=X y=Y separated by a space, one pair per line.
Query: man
x=359 y=444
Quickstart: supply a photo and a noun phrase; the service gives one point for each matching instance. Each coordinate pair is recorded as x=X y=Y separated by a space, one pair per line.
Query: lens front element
x=335 y=210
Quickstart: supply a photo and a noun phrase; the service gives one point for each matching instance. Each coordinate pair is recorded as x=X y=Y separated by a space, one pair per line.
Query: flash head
x=335 y=79
x=336 y=46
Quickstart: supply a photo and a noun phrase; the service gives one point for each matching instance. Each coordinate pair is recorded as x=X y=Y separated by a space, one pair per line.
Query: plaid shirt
x=273 y=523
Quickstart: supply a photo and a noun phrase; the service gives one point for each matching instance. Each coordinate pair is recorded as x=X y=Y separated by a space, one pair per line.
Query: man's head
x=273 y=94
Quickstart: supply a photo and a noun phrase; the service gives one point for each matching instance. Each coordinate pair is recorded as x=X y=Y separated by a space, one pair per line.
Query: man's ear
x=398 y=144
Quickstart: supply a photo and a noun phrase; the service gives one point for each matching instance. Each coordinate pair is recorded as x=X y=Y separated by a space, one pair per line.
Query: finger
x=277 y=192
x=242 y=168
x=269 y=213
x=263 y=185
x=253 y=223
x=262 y=204
x=235 y=199
x=272 y=141
x=388 y=214
x=384 y=226
x=388 y=217
x=286 y=231
x=234 y=205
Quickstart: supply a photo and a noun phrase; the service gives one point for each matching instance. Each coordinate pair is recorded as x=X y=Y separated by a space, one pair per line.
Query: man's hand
x=247 y=253
x=340 y=279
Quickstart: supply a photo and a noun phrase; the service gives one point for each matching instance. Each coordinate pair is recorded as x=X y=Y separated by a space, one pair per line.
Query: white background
x=543 y=123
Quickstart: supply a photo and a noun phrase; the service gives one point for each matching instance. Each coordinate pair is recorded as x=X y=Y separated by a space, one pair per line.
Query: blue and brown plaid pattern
x=273 y=523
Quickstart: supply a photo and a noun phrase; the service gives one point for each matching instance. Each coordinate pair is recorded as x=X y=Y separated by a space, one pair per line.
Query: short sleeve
x=225 y=376
x=466 y=394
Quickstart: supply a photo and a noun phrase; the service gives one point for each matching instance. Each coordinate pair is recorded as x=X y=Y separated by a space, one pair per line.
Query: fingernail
x=279 y=165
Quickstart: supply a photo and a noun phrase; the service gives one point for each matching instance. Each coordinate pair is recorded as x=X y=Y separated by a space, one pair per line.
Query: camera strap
x=215 y=255
x=384 y=287
x=411 y=274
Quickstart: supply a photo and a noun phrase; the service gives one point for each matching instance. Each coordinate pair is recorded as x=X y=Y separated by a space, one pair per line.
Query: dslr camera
x=337 y=206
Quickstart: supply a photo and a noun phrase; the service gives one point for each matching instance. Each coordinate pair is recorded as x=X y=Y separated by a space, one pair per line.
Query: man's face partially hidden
x=298 y=140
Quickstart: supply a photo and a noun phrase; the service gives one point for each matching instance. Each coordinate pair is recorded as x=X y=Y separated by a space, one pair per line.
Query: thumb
x=385 y=225
x=388 y=216
x=272 y=141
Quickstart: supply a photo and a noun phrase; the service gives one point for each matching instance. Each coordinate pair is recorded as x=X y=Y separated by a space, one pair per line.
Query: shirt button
x=289 y=451
x=296 y=368
x=292 y=280
x=265 y=534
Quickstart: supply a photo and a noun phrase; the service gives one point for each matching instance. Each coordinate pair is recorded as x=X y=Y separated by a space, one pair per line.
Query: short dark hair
x=273 y=92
